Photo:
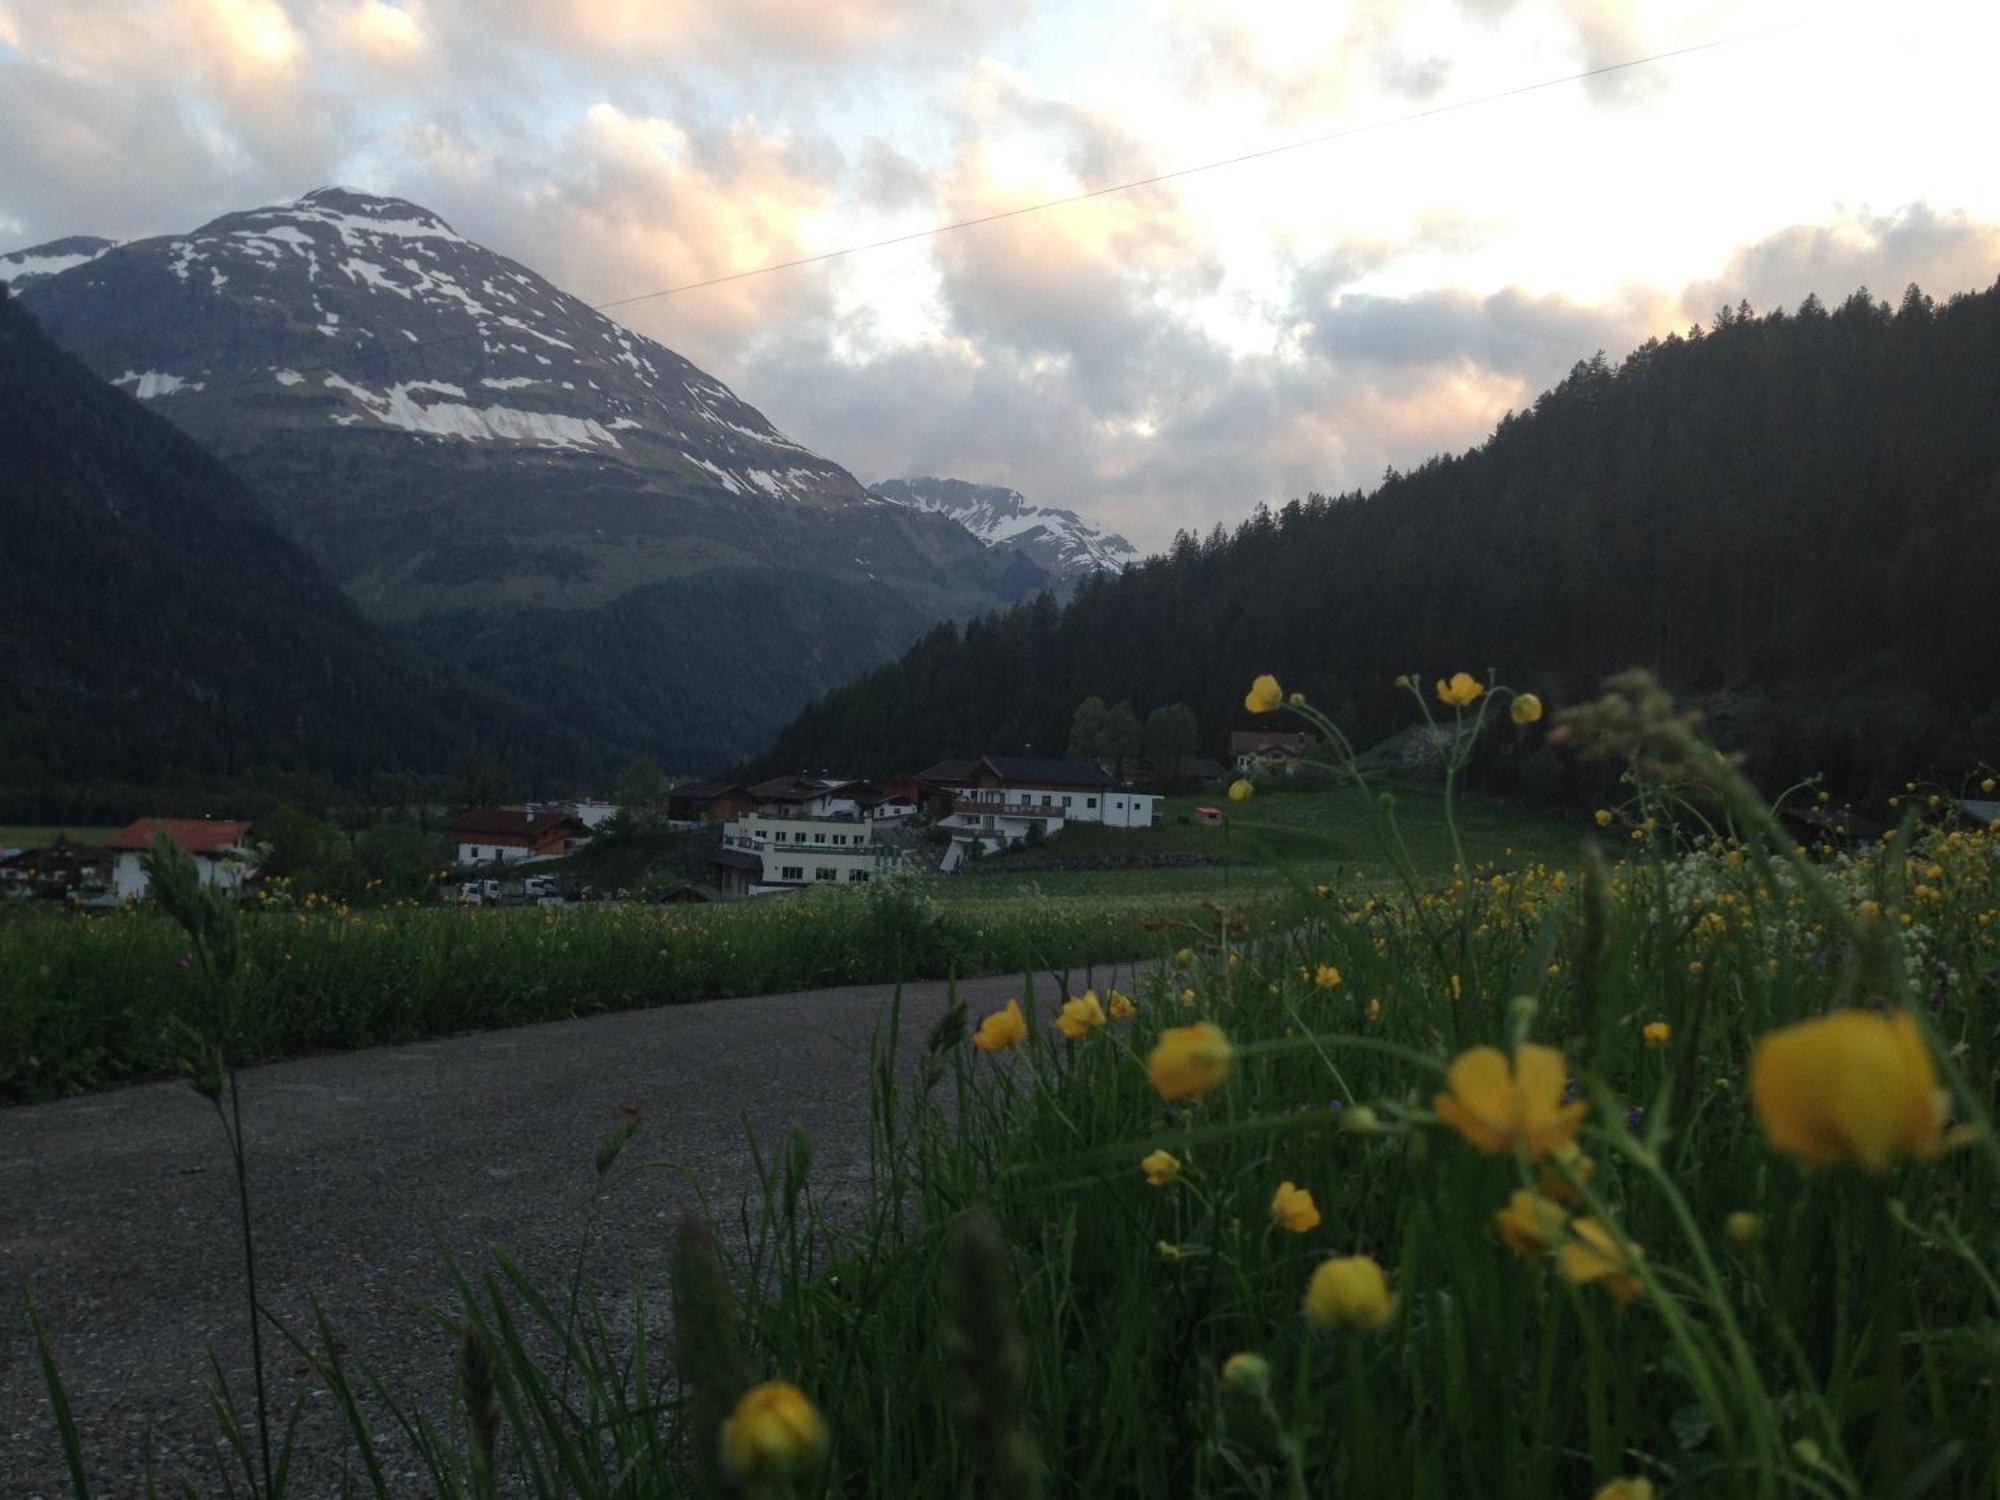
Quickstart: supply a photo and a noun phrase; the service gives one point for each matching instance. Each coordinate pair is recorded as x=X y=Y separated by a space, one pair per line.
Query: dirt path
x=119 y=1208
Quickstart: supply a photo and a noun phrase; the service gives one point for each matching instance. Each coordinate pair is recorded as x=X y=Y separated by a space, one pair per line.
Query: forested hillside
x=156 y=626
x=1794 y=518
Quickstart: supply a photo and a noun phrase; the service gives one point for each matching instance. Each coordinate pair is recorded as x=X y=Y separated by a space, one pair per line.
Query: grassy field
x=1669 y=1177
x=90 y=1001
x=34 y=836
x=1670 y=1173
x=1310 y=837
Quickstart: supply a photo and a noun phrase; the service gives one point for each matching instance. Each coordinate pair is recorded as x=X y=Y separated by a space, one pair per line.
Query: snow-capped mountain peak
x=1060 y=541
x=346 y=309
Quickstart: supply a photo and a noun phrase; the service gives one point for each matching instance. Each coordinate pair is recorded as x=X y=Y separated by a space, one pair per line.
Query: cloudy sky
x=1161 y=358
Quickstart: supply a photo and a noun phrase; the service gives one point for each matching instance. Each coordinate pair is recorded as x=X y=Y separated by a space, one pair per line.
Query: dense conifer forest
x=1793 y=518
x=157 y=628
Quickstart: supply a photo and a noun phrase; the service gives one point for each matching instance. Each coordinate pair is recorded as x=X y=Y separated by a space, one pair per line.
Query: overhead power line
x=1346 y=132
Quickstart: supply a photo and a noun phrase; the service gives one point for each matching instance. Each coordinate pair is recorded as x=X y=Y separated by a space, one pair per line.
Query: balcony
x=1011 y=809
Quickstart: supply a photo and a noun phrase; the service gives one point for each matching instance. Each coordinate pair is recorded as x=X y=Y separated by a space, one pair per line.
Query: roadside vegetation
x=1671 y=1173
x=348 y=948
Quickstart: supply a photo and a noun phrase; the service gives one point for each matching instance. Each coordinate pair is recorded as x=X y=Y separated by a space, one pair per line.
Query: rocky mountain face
x=1060 y=542
x=156 y=625
x=455 y=438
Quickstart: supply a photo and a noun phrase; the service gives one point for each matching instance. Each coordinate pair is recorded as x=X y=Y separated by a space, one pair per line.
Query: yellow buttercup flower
x=1526 y=708
x=1248 y=1373
x=1002 y=1029
x=1987 y=786
x=1593 y=1257
x=1185 y=958
x=1499 y=1108
x=1292 y=1208
x=1080 y=1016
x=1189 y=1061
x=1241 y=790
x=1461 y=691
x=1327 y=977
x=1374 y=1011
x=1161 y=1168
x=1848 y=1087
x=1657 y=1033
x=1531 y=1225
x=1626 y=1489
x=773 y=1432
x=1349 y=1293
x=1121 y=1006
x=1603 y=817
x=1264 y=696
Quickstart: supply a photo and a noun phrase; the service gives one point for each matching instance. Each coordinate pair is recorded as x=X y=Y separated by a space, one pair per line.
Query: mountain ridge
x=451 y=435
x=1061 y=542
x=1788 y=517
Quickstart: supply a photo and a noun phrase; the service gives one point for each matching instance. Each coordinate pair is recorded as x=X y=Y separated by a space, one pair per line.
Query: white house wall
x=129 y=882
x=481 y=854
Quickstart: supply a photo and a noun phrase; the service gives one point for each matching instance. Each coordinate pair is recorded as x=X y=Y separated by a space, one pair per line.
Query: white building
x=1000 y=801
x=764 y=852
x=220 y=850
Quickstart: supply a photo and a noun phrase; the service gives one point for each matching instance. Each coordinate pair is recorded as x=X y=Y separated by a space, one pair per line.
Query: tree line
x=1790 y=518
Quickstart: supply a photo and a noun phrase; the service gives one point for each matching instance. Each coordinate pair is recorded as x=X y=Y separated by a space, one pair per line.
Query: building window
x=1066 y=802
x=792 y=872
x=857 y=877
x=826 y=872
x=1091 y=802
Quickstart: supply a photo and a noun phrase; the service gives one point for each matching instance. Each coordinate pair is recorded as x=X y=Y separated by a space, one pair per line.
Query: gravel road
x=119 y=1208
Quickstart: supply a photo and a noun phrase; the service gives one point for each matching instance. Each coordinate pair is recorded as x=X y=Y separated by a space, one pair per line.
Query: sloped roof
x=789 y=789
x=946 y=772
x=1025 y=771
x=1285 y=741
x=195 y=835
x=707 y=791
x=512 y=821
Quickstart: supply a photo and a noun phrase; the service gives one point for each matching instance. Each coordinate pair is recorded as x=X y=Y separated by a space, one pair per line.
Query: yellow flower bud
x=1081 y=1015
x=1161 y=1168
x=1526 y=709
x=1241 y=790
x=1189 y=1061
x=1248 y=1374
x=1531 y=1225
x=773 y=1432
x=1264 y=695
x=1293 y=1209
x=1349 y=1293
x=1002 y=1029
x=1657 y=1033
x=1744 y=1228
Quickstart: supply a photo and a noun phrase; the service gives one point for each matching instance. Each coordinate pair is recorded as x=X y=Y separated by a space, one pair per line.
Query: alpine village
x=1015 y=752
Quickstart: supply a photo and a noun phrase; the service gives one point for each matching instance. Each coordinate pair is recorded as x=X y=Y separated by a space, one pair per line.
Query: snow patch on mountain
x=20 y=267
x=147 y=384
x=398 y=407
x=1059 y=540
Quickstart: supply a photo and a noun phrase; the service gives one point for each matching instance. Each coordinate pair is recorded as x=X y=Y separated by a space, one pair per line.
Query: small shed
x=1208 y=815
